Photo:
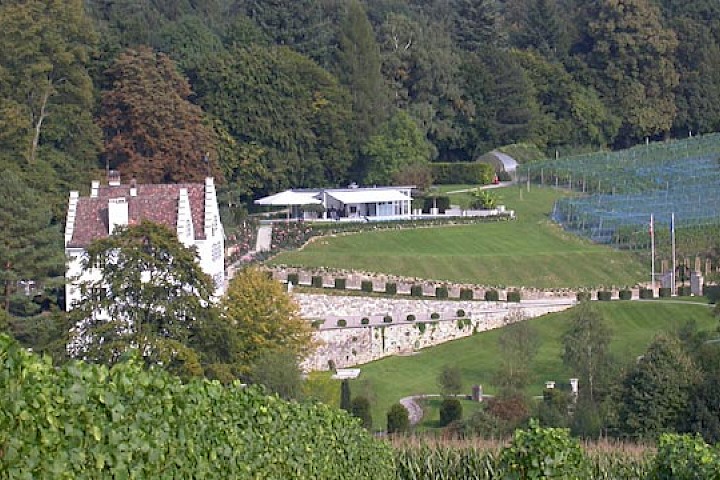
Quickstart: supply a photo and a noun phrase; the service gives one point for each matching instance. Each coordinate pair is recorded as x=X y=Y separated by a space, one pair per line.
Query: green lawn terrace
x=623 y=189
x=530 y=251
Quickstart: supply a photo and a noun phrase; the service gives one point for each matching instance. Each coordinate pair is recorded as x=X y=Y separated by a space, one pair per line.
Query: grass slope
x=634 y=324
x=529 y=251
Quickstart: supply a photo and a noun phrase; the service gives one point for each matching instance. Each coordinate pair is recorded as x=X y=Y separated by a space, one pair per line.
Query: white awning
x=289 y=197
x=369 y=196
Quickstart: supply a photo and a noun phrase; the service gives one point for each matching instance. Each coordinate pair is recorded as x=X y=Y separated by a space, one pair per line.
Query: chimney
x=114 y=178
x=133 y=188
x=94 y=187
x=117 y=213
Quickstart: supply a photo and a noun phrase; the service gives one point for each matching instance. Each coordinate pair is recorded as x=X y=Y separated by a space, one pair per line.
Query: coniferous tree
x=345 y=396
x=477 y=25
x=360 y=408
x=358 y=68
x=152 y=131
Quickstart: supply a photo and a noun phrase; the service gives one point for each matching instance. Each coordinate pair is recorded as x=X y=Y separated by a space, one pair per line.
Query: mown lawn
x=529 y=251
x=633 y=324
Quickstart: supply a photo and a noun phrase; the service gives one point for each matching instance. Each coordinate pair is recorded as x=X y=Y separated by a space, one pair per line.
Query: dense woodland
x=267 y=95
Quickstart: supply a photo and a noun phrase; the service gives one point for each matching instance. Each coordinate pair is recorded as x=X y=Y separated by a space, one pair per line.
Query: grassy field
x=633 y=325
x=529 y=251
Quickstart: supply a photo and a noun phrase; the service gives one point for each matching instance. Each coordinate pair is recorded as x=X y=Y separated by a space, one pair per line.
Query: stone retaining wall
x=356 y=343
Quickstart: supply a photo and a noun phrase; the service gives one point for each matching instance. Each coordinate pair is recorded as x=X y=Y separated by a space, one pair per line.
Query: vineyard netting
x=621 y=190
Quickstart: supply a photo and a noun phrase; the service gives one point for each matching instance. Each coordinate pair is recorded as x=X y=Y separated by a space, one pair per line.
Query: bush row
x=86 y=421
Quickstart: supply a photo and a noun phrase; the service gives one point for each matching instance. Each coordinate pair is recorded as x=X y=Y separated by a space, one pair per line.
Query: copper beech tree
x=152 y=131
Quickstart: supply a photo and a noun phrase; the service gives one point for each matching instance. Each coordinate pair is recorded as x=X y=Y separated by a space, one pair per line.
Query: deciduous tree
x=150 y=294
x=450 y=380
x=153 y=132
x=518 y=344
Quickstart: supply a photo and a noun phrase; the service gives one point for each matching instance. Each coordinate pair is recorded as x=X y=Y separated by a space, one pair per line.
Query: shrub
x=342 y=323
x=646 y=293
x=664 y=292
x=434 y=316
x=416 y=291
x=364 y=321
x=450 y=411
x=513 y=296
x=543 y=453
x=387 y=319
x=460 y=313
x=366 y=286
x=466 y=294
x=421 y=327
x=123 y=422
x=683 y=457
x=391 y=288
x=360 y=408
x=604 y=295
x=471 y=173
x=441 y=202
x=625 y=294
x=492 y=296
x=684 y=291
x=340 y=283
x=398 y=419
x=410 y=318
x=293 y=278
x=316 y=281
x=441 y=292
x=583 y=296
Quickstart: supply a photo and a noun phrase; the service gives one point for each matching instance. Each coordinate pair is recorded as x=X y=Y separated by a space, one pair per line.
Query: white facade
x=189 y=209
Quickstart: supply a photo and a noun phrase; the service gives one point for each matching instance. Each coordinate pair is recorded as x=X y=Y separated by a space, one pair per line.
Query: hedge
x=460 y=313
x=340 y=283
x=466 y=294
x=513 y=296
x=293 y=278
x=684 y=291
x=366 y=286
x=391 y=288
x=583 y=296
x=492 y=296
x=664 y=292
x=316 y=281
x=441 y=202
x=416 y=291
x=625 y=295
x=86 y=421
x=604 y=295
x=470 y=173
x=646 y=293
x=441 y=292
x=387 y=319
x=364 y=321
x=342 y=323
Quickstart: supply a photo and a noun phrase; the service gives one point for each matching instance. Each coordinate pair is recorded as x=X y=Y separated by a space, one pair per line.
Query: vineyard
x=619 y=191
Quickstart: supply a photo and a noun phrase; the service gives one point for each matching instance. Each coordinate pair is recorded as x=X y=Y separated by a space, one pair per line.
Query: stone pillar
x=477 y=393
x=696 y=283
x=574 y=386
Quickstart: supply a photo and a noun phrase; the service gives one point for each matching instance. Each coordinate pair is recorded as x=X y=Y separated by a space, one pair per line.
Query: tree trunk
x=40 y=120
x=6 y=289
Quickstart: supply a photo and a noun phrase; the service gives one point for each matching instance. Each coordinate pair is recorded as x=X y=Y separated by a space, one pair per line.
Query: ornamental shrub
x=340 y=283
x=684 y=291
x=492 y=296
x=387 y=319
x=441 y=292
x=391 y=288
x=466 y=294
x=513 y=296
x=442 y=202
x=398 y=419
x=293 y=278
x=364 y=321
x=410 y=318
x=450 y=411
x=460 y=313
x=434 y=316
x=366 y=286
x=416 y=291
x=664 y=292
x=543 y=453
x=342 y=323
x=86 y=421
x=583 y=296
x=625 y=294
x=646 y=293
x=316 y=281
x=604 y=295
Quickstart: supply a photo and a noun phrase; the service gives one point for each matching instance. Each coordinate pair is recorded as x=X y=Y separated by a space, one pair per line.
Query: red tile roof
x=157 y=203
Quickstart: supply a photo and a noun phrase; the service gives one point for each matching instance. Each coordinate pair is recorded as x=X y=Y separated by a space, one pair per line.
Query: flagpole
x=672 y=238
x=652 y=253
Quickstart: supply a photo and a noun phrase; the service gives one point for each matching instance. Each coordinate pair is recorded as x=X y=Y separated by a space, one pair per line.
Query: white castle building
x=189 y=209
